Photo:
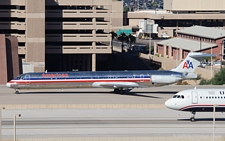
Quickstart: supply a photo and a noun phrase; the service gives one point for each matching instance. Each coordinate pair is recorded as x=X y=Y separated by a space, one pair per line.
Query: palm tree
x=113 y=35
x=131 y=39
x=123 y=38
x=154 y=4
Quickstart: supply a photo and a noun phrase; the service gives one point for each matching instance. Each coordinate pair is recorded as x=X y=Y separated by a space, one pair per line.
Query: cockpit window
x=175 y=96
x=178 y=96
x=18 y=77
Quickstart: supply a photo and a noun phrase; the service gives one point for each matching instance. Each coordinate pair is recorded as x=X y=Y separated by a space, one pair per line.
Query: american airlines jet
x=198 y=100
x=117 y=80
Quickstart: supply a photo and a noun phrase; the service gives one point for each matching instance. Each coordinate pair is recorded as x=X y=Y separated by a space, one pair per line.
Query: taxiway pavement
x=152 y=95
x=101 y=113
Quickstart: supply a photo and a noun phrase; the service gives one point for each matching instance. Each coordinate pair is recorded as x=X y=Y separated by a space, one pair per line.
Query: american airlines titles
x=55 y=75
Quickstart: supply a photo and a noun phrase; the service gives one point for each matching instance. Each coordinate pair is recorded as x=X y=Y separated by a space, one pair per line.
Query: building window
x=207 y=40
x=196 y=38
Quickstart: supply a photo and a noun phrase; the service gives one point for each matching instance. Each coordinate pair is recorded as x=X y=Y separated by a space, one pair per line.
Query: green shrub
x=205 y=82
x=157 y=55
x=182 y=83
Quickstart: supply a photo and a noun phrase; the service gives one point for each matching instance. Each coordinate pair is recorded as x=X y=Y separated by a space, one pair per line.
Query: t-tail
x=191 y=62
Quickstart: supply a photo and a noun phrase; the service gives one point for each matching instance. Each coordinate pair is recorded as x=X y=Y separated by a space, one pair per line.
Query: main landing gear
x=119 y=91
x=17 y=91
x=193 y=116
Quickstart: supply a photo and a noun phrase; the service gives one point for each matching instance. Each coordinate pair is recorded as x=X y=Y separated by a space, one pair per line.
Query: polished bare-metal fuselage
x=105 y=79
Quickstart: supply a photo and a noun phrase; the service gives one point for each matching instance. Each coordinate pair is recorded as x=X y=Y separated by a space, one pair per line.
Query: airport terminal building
x=61 y=35
x=192 y=39
x=178 y=14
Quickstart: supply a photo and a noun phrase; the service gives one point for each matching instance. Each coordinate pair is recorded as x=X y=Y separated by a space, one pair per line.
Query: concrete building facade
x=61 y=35
x=178 y=14
x=10 y=65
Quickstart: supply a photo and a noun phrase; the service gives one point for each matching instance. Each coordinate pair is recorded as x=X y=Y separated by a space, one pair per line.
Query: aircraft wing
x=115 y=85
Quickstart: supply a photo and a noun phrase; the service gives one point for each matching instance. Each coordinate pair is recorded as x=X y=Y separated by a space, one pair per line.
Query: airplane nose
x=171 y=104
x=8 y=85
x=167 y=103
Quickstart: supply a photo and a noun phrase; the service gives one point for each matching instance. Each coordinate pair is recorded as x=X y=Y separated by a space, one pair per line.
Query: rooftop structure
x=178 y=14
x=201 y=31
x=195 y=38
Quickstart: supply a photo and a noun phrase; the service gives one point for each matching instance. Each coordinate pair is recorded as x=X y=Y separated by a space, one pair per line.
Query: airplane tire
x=192 y=119
x=121 y=91
x=116 y=91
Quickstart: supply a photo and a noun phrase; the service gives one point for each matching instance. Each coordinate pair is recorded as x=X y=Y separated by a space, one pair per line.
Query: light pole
x=211 y=64
x=221 y=54
x=15 y=115
x=138 y=4
x=150 y=46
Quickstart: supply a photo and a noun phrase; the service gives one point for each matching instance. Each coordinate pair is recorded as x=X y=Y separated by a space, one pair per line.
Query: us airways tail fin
x=191 y=62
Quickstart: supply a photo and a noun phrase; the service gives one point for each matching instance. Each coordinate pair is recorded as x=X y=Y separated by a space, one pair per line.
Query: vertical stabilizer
x=191 y=62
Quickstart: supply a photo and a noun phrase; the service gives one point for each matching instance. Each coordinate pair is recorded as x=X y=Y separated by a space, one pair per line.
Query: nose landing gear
x=193 y=116
x=17 y=91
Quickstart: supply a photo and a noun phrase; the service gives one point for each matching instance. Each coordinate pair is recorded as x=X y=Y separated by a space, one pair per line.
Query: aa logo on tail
x=188 y=64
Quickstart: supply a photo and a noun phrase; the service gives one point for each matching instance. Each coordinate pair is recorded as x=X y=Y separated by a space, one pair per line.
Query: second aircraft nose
x=167 y=103
x=170 y=103
x=8 y=85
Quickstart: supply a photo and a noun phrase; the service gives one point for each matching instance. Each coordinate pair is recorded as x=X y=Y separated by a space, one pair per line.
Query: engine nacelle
x=164 y=79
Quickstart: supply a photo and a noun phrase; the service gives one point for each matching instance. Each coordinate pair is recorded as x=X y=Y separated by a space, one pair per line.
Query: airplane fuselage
x=85 y=79
x=198 y=100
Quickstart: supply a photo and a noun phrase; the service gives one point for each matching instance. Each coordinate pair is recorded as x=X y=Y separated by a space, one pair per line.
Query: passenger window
x=207 y=97
x=182 y=97
x=212 y=97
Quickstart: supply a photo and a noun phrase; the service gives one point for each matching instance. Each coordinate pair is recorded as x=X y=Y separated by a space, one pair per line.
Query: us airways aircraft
x=117 y=80
x=198 y=100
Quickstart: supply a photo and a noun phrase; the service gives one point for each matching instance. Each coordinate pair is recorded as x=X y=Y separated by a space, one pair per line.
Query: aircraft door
x=194 y=97
x=27 y=78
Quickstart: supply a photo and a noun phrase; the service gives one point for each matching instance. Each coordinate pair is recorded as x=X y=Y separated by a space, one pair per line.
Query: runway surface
x=56 y=123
